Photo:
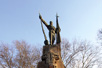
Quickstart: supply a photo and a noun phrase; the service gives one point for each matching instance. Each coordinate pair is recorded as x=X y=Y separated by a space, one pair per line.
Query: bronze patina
x=52 y=31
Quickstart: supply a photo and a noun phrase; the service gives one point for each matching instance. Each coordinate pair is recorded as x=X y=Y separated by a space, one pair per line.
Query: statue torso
x=51 y=29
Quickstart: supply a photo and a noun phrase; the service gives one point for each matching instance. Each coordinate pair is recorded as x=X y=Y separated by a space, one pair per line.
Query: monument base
x=51 y=57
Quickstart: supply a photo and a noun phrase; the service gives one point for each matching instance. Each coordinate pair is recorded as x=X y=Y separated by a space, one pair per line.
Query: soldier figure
x=51 y=29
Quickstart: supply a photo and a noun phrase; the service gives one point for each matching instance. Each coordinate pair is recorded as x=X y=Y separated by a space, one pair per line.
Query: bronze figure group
x=52 y=31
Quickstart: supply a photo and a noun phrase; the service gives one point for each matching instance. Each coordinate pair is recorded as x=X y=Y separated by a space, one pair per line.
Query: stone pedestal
x=51 y=57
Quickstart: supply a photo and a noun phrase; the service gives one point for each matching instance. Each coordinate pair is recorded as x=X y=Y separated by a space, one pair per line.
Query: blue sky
x=19 y=19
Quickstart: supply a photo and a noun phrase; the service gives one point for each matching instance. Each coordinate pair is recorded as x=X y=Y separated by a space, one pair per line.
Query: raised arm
x=43 y=21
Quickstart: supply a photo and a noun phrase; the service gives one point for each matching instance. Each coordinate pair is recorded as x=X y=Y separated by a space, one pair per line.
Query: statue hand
x=40 y=16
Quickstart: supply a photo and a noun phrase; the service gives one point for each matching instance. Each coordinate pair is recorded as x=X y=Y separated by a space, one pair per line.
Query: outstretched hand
x=40 y=16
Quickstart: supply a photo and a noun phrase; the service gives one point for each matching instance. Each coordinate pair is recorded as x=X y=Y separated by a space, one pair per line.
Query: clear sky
x=19 y=19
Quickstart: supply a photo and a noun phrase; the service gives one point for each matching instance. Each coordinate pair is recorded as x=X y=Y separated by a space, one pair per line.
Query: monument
x=51 y=55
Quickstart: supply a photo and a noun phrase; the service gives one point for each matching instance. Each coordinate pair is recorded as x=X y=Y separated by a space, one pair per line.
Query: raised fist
x=40 y=16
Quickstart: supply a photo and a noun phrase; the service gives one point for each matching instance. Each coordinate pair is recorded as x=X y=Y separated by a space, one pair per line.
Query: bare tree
x=99 y=34
x=26 y=57
x=6 y=56
x=79 y=54
x=22 y=56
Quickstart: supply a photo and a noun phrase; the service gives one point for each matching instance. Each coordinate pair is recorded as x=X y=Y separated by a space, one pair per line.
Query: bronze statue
x=52 y=31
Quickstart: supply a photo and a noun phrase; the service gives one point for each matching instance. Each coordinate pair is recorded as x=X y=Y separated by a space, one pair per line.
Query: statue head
x=51 y=23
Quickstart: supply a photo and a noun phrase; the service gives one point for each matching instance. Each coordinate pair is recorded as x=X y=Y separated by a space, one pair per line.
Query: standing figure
x=51 y=29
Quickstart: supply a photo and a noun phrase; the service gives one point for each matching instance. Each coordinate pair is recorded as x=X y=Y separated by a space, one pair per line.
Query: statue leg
x=53 y=38
x=50 y=36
